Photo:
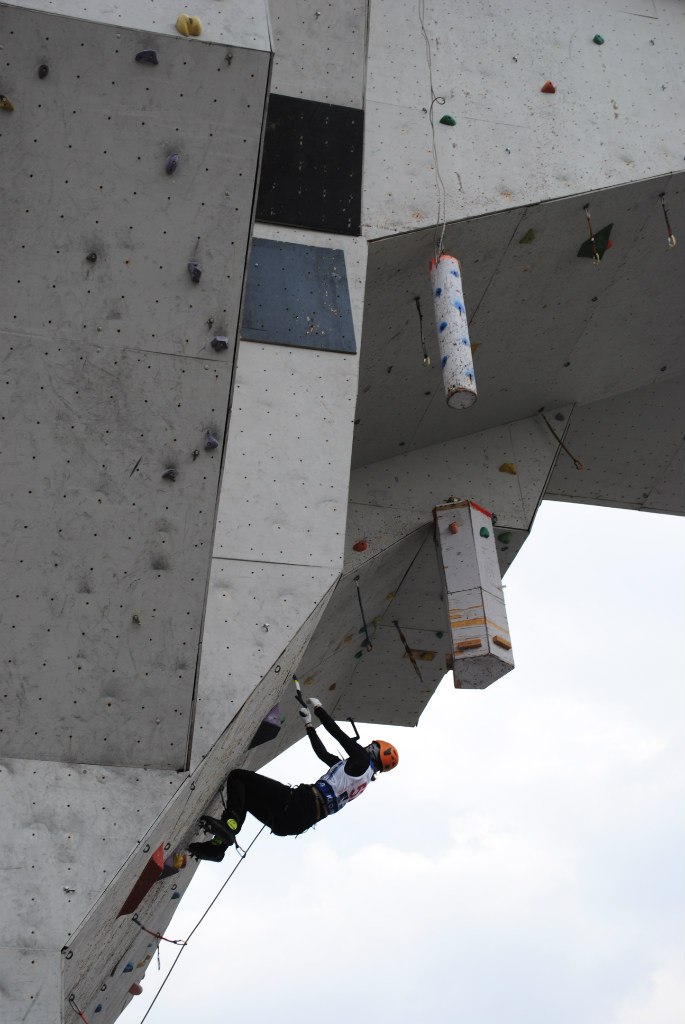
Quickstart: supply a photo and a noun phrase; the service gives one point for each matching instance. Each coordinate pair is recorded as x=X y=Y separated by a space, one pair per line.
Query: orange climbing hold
x=361 y=545
x=549 y=87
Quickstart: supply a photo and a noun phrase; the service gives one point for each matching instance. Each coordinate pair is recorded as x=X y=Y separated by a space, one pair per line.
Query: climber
x=290 y=811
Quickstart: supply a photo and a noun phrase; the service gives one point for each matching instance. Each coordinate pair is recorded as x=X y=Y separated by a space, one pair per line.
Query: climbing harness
x=576 y=462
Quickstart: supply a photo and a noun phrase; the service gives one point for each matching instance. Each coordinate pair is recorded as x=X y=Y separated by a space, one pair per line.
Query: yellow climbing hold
x=508 y=467
x=6 y=103
x=188 y=25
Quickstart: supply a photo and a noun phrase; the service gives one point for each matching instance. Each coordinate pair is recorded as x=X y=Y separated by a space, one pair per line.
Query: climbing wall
x=525 y=90
x=129 y=224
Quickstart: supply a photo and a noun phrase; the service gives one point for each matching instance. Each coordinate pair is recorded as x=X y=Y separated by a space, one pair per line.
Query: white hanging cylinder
x=456 y=358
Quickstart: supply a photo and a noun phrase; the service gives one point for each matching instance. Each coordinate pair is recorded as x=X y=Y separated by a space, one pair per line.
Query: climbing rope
x=185 y=942
x=440 y=100
x=426 y=357
x=576 y=462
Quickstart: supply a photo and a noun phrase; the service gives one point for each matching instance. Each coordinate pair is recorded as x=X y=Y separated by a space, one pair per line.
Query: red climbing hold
x=361 y=545
x=453 y=527
x=549 y=87
x=136 y=989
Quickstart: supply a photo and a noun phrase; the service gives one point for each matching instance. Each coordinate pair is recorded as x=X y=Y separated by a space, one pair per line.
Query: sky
x=524 y=864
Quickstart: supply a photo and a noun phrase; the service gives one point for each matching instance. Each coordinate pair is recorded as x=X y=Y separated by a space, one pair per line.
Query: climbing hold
x=136 y=989
x=135 y=619
x=361 y=545
x=440 y=634
x=549 y=87
x=147 y=57
x=6 y=103
x=128 y=968
x=43 y=71
x=448 y=120
x=508 y=467
x=169 y=474
x=426 y=360
x=597 y=244
x=484 y=532
x=211 y=441
x=219 y=343
x=188 y=25
x=453 y=527
x=358 y=654
x=195 y=271
x=92 y=257
x=504 y=538
x=172 y=163
x=598 y=39
x=528 y=237
x=98 y=1008
x=175 y=895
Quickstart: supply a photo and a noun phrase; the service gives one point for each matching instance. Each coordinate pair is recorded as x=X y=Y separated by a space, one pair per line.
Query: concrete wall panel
x=616 y=103
x=230 y=22
x=320 y=50
x=86 y=149
x=107 y=561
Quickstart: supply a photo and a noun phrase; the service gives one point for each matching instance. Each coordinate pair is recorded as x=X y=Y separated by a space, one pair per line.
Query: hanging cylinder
x=456 y=359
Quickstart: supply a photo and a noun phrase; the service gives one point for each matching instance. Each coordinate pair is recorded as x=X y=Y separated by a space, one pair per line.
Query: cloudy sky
x=525 y=864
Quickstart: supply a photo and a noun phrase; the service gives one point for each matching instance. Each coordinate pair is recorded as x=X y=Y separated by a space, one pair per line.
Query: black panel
x=312 y=166
x=298 y=295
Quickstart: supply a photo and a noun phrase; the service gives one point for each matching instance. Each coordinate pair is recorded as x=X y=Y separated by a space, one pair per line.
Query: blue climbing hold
x=443 y=325
x=219 y=343
x=454 y=273
x=211 y=442
x=172 y=163
x=458 y=305
x=465 y=341
x=147 y=57
x=438 y=291
x=443 y=361
x=128 y=968
x=195 y=271
x=175 y=895
x=98 y=1008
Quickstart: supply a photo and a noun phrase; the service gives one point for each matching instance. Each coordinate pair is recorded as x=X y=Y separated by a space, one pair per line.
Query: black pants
x=286 y=811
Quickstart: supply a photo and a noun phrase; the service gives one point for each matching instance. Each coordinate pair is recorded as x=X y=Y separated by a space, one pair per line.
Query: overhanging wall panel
x=106 y=562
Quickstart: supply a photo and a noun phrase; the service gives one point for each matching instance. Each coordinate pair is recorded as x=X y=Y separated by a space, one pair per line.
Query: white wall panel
x=231 y=22
x=254 y=609
x=468 y=467
x=617 y=104
x=320 y=50
x=284 y=491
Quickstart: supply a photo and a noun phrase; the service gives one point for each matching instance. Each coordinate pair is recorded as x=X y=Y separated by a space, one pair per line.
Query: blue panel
x=298 y=295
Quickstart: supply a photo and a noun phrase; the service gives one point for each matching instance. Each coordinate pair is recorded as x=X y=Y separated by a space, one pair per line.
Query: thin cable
x=367 y=644
x=201 y=920
x=426 y=357
x=670 y=239
x=576 y=462
x=407 y=648
x=440 y=100
x=595 y=255
x=157 y=935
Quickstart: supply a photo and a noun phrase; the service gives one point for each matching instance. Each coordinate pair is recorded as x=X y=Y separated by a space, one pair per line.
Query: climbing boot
x=211 y=850
x=225 y=830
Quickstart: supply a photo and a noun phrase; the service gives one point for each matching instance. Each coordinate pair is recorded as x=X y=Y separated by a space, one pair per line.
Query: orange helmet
x=387 y=755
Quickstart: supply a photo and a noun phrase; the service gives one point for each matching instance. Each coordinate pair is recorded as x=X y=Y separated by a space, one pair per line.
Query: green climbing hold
x=528 y=237
x=358 y=654
x=448 y=119
x=440 y=634
x=504 y=538
x=598 y=39
x=484 y=532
